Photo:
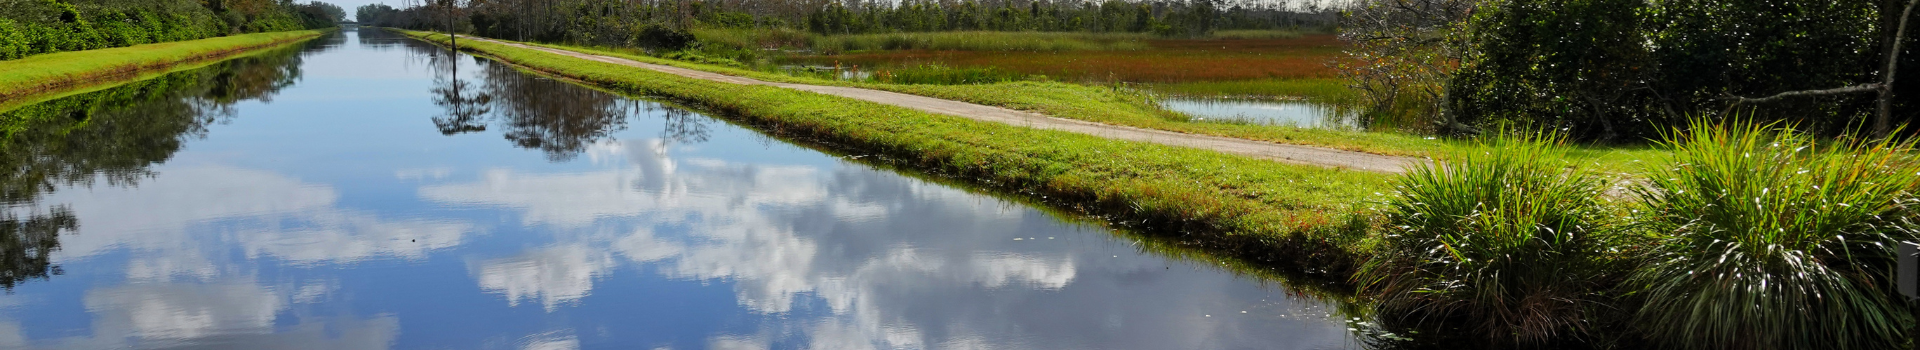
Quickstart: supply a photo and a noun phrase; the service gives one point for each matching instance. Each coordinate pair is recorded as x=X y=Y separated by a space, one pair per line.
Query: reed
x=1503 y=243
x=1773 y=239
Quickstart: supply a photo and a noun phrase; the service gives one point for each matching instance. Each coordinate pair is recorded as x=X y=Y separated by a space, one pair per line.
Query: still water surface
x=1300 y=114
x=368 y=192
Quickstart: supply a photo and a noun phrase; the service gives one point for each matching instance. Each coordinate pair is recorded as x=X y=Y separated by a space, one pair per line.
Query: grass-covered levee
x=1750 y=236
x=33 y=27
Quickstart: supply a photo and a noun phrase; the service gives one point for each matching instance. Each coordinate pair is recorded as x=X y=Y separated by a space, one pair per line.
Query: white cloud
x=552 y=341
x=173 y=219
x=550 y=275
x=184 y=311
x=344 y=237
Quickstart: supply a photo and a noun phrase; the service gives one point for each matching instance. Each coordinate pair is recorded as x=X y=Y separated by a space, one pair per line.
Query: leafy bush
x=1625 y=70
x=1500 y=242
x=1775 y=240
x=654 y=36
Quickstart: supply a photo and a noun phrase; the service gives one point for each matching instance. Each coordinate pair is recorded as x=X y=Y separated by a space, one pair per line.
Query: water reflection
x=603 y=222
x=27 y=244
x=463 y=105
x=556 y=117
x=1299 y=114
x=113 y=136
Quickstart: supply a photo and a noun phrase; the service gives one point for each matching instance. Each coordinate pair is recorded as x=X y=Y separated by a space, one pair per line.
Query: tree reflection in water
x=113 y=136
x=556 y=117
x=27 y=242
x=462 y=105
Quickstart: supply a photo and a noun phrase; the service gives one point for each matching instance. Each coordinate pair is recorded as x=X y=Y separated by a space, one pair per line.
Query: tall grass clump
x=1771 y=239
x=1500 y=242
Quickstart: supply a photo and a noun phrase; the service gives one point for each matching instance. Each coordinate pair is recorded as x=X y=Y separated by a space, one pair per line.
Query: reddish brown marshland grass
x=1165 y=62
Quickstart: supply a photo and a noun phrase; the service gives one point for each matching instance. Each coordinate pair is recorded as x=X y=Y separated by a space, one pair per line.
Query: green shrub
x=1500 y=243
x=1775 y=240
x=13 y=42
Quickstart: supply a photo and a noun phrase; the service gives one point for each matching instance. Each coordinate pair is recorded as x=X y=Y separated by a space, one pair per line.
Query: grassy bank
x=1254 y=209
x=1123 y=107
x=45 y=76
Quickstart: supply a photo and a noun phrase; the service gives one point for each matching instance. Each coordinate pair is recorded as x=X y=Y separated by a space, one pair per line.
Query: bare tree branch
x=1738 y=100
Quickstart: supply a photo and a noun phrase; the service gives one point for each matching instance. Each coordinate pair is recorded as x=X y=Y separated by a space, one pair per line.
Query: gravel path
x=1280 y=152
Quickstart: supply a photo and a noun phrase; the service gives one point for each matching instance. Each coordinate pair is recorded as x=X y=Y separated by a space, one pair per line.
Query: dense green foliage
x=31 y=27
x=1504 y=243
x=1772 y=239
x=1625 y=69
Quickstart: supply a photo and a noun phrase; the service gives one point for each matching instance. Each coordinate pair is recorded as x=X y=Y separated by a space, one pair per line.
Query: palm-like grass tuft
x=1771 y=240
x=1501 y=242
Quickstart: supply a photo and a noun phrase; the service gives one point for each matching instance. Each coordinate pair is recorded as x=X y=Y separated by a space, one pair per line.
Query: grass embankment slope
x=1249 y=208
x=41 y=77
x=1121 y=107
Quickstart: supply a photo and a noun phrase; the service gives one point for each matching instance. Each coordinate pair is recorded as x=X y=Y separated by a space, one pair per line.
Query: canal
x=366 y=191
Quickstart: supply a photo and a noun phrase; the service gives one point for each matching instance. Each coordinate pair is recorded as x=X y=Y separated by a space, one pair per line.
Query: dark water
x=367 y=192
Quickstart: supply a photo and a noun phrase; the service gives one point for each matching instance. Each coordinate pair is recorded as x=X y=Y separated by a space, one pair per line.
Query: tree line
x=31 y=27
x=1622 y=70
x=617 y=22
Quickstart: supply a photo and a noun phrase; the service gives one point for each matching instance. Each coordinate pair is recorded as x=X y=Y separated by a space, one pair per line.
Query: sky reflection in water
x=357 y=201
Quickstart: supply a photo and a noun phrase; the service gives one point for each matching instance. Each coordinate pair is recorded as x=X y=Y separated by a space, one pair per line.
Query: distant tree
x=1408 y=50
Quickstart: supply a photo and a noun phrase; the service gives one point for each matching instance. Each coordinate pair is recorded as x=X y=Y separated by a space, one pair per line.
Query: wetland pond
x=365 y=191
x=1299 y=114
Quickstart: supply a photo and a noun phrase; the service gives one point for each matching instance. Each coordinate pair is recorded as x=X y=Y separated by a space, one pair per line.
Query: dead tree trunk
x=1882 y=121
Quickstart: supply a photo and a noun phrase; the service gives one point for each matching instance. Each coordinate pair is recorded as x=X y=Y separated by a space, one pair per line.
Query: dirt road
x=1280 y=152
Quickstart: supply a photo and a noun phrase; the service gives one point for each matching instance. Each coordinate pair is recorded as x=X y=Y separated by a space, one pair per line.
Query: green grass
x=1770 y=239
x=1306 y=215
x=1505 y=243
x=41 y=76
x=1311 y=89
x=1129 y=108
x=935 y=74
